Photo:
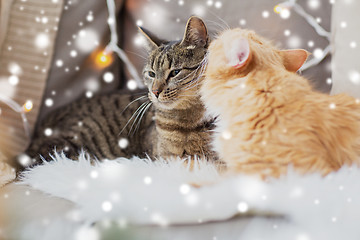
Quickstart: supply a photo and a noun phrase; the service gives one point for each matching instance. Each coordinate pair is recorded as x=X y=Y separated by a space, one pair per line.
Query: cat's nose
x=156 y=92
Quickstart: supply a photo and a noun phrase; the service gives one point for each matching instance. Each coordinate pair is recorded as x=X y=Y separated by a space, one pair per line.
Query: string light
x=278 y=9
x=113 y=47
x=283 y=9
x=28 y=106
x=103 y=59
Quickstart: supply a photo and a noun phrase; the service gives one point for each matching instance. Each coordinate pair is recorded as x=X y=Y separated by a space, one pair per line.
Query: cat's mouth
x=173 y=100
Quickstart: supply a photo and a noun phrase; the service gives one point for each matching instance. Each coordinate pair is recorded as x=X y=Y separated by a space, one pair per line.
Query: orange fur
x=270 y=117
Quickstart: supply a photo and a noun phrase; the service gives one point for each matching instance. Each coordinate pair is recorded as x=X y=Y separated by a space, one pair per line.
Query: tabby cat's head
x=173 y=67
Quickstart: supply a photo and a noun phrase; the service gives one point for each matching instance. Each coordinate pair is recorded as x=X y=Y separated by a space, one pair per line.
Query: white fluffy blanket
x=139 y=191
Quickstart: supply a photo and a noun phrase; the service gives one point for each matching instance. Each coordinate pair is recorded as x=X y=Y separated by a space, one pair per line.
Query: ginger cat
x=269 y=116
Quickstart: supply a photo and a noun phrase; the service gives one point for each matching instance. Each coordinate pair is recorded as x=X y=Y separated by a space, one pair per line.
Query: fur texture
x=270 y=117
x=121 y=124
x=173 y=73
x=95 y=125
x=147 y=192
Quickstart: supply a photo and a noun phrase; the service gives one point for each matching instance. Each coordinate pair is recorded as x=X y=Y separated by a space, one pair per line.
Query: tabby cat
x=170 y=121
x=269 y=116
x=173 y=75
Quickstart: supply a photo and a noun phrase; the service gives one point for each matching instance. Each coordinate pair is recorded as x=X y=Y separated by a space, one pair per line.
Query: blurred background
x=56 y=51
x=167 y=19
x=81 y=32
x=53 y=52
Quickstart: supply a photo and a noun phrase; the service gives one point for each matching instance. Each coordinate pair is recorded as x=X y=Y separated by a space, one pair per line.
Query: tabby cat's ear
x=195 y=33
x=153 y=41
x=238 y=52
x=294 y=59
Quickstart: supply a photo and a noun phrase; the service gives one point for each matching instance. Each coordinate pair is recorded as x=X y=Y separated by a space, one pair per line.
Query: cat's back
x=319 y=126
x=117 y=104
x=315 y=111
x=107 y=126
x=340 y=109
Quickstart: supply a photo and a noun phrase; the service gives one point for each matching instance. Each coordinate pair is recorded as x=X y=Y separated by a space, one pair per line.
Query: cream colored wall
x=346 y=47
x=18 y=49
x=4 y=16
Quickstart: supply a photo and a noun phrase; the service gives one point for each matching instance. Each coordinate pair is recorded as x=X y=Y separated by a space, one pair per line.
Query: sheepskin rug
x=144 y=192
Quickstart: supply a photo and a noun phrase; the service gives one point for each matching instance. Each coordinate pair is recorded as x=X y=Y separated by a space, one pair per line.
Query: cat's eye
x=151 y=74
x=175 y=72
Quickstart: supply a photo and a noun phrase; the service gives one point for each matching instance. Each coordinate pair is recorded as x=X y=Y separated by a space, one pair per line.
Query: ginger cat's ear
x=195 y=33
x=294 y=59
x=238 y=52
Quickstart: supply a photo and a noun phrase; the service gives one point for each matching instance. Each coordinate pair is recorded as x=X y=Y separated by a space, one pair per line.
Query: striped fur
x=173 y=74
x=98 y=124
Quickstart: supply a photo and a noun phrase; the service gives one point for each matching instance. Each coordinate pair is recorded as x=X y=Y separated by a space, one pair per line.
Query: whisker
x=216 y=25
x=137 y=117
x=142 y=115
x=136 y=54
x=194 y=95
x=221 y=20
x=187 y=76
x=198 y=76
x=194 y=77
x=171 y=93
x=133 y=102
x=137 y=110
x=193 y=72
x=194 y=82
x=188 y=95
x=192 y=86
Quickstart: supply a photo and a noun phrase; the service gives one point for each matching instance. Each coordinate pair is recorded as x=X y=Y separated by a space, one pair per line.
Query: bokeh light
x=103 y=59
